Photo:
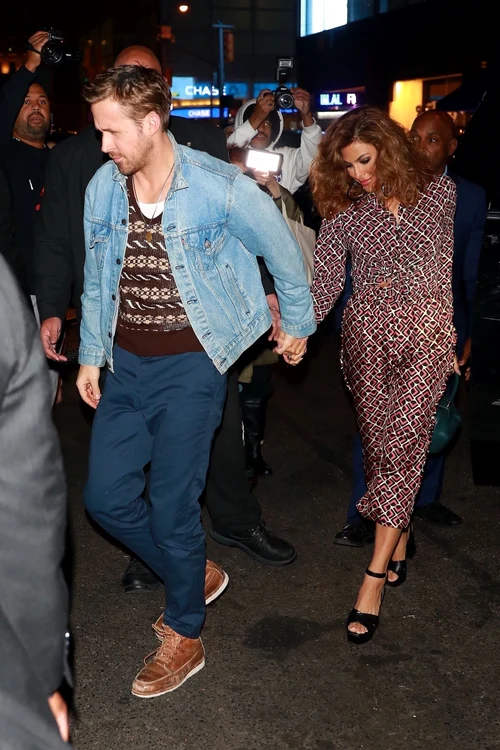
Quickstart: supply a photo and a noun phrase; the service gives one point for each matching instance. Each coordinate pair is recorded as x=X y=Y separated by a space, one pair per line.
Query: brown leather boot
x=216 y=580
x=175 y=661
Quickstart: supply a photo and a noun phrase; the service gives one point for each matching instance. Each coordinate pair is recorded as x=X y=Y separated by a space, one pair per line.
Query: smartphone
x=264 y=161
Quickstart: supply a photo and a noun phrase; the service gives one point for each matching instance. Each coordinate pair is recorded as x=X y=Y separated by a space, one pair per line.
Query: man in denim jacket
x=172 y=297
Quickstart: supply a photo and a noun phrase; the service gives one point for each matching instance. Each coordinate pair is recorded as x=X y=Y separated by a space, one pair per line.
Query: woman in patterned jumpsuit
x=382 y=207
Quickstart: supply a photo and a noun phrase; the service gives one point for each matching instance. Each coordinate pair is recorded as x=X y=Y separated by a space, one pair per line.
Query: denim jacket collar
x=178 y=180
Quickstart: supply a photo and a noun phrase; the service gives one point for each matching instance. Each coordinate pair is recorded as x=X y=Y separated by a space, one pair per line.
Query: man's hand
x=87 y=383
x=37 y=41
x=269 y=181
x=465 y=358
x=274 y=309
x=465 y=354
x=263 y=105
x=50 y=332
x=302 y=102
x=292 y=349
x=60 y=714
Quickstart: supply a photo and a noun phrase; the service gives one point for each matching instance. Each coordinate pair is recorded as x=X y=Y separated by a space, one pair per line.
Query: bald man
x=60 y=257
x=434 y=133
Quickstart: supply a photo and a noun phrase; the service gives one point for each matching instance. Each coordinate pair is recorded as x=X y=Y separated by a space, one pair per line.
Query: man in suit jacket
x=434 y=132
x=59 y=262
x=33 y=596
x=7 y=226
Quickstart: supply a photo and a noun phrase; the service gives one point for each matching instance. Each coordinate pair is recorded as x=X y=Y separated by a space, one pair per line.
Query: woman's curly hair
x=401 y=170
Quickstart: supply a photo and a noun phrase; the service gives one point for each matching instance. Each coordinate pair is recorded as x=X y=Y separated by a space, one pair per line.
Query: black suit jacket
x=7 y=228
x=59 y=238
x=468 y=228
x=33 y=596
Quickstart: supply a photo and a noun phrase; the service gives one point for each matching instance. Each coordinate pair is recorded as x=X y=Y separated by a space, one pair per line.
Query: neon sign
x=340 y=99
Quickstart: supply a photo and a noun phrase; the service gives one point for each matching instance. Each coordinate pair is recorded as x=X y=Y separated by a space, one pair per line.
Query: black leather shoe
x=138 y=578
x=356 y=534
x=262 y=468
x=437 y=513
x=259 y=543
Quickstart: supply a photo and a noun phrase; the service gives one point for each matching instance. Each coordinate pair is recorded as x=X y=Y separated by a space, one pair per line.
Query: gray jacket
x=33 y=595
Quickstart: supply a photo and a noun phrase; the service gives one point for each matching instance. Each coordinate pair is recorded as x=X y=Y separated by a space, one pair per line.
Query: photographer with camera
x=259 y=124
x=24 y=125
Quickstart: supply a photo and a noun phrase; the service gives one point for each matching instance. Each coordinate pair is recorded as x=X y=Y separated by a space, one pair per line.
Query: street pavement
x=279 y=672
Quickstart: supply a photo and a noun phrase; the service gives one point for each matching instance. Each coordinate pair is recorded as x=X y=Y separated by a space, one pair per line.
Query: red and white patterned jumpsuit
x=397 y=333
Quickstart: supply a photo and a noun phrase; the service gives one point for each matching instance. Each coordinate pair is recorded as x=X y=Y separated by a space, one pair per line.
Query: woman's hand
x=456 y=366
x=292 y=348
x=269 y=181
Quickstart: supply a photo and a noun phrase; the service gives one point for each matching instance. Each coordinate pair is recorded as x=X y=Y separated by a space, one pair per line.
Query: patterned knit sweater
x=152 y=320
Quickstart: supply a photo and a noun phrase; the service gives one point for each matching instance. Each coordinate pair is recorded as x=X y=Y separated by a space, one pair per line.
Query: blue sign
x=199 y=113
x=340 y=100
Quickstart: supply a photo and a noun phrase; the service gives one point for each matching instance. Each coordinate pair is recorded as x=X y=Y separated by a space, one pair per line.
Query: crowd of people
x=188 y=286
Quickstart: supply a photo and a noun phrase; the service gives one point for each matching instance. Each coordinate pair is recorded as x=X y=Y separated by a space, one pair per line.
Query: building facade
x=402 y=55
x=262 y=30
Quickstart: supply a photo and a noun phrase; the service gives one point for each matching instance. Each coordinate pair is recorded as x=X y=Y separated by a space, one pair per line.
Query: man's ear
x=452 y=146
x=152 y=123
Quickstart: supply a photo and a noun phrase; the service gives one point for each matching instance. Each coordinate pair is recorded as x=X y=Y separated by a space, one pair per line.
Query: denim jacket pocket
x=203 y=243
x=99 y=243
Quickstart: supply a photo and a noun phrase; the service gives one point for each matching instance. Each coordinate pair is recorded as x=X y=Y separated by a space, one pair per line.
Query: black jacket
x=7 y=229
x=25 y=169
x=59 y=238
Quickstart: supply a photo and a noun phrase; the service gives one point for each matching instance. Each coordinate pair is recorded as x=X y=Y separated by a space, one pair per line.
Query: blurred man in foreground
x=33 y=596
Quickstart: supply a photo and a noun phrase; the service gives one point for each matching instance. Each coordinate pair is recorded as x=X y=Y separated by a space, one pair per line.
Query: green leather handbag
x=448 y=420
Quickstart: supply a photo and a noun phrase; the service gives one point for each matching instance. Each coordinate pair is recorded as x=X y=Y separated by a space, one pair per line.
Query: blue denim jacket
x=215 y=222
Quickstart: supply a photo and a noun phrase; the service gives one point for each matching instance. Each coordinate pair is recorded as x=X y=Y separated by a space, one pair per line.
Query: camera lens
x=51 y=54
x=284 y=99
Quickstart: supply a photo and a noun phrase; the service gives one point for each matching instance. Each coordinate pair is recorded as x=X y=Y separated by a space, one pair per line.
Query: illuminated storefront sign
x=199 y=113
x=186 y=88
x=340 y=99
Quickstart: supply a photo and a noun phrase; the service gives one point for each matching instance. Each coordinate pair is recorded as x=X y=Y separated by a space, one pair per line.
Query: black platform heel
x=400 y=567
x=370 y=622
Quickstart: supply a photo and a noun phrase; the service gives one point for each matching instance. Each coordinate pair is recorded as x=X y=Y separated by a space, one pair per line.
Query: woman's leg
x=421 y=360
x=370 y=594
x=367 y=371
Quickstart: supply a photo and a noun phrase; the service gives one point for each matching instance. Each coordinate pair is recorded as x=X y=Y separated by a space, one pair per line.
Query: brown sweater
x=152 y=321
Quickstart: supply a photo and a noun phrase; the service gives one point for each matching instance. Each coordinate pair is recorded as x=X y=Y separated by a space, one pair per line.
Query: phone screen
x=264 y=161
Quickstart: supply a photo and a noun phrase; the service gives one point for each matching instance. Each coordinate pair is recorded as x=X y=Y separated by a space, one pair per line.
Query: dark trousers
x=430 y=489
x=231 y=505
x=162 y=410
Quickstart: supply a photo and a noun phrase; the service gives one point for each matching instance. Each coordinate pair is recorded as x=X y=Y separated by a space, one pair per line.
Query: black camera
x=282 y=96
x=54 y=52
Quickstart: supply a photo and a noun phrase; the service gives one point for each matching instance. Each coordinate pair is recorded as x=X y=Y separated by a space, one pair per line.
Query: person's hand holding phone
x=269 y=181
